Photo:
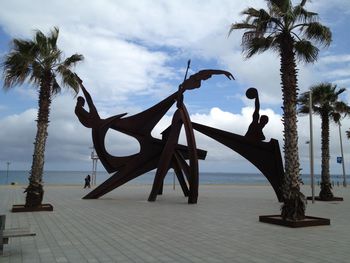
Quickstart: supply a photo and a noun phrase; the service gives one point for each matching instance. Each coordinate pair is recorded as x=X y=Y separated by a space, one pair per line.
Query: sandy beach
x=123 y=227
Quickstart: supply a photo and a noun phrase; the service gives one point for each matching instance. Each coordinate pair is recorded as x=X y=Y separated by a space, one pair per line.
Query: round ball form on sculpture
x=251 y=93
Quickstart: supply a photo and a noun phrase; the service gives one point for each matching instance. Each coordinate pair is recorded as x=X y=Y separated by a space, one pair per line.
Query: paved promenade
x=123 y=227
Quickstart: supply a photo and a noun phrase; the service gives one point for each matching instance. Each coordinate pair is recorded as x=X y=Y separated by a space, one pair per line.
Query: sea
x=77 y=178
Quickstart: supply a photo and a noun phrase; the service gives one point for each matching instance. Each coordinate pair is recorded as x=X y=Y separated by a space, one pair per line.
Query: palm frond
x=51 y=59
x=301 y=14
x=342 y=107
x=306 y=51
x=242 y=25
x=340 y=91
x=281 y=6
x=16 y=69
x=248 y=36
x=251 y=12
x=52 y=39
x=37 y=71
x=72 y=60
x=348 y=134
x=335 y=116
x=25 y=47
x=317 y=32
x=32 y=60
x=40 y=41
x=258 y=45
x=304 y=109
x=303 y=103
x=55 y=87
x=325 y=100
x=303 y=2
x=68 y=77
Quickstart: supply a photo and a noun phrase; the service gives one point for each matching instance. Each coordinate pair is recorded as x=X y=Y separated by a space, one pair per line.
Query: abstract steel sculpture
x=166 y=153
x=154 y=153
x=266 y=156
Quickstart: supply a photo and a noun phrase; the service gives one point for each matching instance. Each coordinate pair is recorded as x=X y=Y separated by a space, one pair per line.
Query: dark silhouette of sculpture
x=164 y=154
x=154 y=153
x=265 y=156
x=258 y=123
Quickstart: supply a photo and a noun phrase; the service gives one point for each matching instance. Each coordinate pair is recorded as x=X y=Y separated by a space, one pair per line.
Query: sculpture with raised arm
x=258 y=123
x=164 y=154
x=161 y=154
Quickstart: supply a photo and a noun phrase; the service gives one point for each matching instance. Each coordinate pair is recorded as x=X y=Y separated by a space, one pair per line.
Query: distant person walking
x=87 y=181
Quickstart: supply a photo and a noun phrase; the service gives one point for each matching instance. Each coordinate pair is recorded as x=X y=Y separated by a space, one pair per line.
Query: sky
x=136 y=53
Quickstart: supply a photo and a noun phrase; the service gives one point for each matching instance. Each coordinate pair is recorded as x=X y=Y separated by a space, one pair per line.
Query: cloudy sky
x=135 y=54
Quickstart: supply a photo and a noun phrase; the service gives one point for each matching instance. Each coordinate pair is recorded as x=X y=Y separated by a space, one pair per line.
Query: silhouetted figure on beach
x=258 y=123
x=87 y=181
x=91 y=118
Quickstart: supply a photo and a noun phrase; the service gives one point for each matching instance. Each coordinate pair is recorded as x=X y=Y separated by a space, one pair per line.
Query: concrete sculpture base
x=22 y=208
x=308 y=221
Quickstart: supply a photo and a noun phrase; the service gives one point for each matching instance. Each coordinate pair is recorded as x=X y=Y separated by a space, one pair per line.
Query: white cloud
x=335 y=59
x=17 y=137
x=114 y=69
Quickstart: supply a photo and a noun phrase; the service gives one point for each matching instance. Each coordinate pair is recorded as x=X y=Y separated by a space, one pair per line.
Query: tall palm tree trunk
x=35 y=190
x=294 y=200
x=325 y=193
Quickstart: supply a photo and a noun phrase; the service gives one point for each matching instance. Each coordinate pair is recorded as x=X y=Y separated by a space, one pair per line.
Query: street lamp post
x=7 y=172
x=311 y=150
x=342 y=154
x=94 y=159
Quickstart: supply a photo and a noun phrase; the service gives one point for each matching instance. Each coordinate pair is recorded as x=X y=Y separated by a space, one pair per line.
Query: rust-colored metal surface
x=164 y=154
x=265 y=156
x=154 y=153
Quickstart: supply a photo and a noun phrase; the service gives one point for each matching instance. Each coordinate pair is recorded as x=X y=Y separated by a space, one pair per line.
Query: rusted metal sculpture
x=166 y=153
x=266 y=156
x=154 y=153
x=258 y=123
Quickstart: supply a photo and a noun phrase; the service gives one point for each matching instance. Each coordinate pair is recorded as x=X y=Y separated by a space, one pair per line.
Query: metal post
x=95 y=170
x=342 y=154
x=311 y=150
x=92 y=170
x=94 y=159
x=7 y=172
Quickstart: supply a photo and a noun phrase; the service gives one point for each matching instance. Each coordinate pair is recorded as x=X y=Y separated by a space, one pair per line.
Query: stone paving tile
x=123 y=227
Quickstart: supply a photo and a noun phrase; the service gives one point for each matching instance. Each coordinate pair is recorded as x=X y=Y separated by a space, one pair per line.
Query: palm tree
x=293 y=32
x=39 y=61
x=325 y=102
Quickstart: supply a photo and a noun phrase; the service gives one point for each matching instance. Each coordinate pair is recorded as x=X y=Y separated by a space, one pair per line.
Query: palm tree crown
x=267 y=29
x=326 y=103
x=325 y=100
x=292 y=32
x=36 y=58
x=39 y=61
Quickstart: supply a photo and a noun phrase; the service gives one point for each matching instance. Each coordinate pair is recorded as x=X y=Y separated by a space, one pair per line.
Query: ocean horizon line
x=69 y=177
x=153 y=171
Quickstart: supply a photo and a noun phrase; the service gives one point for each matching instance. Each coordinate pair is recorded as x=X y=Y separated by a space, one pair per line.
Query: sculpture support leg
x=183 y=165
x=166 y=157
x=160 y=192
x=134 y=169
x=191 y=143
x=181 y=178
